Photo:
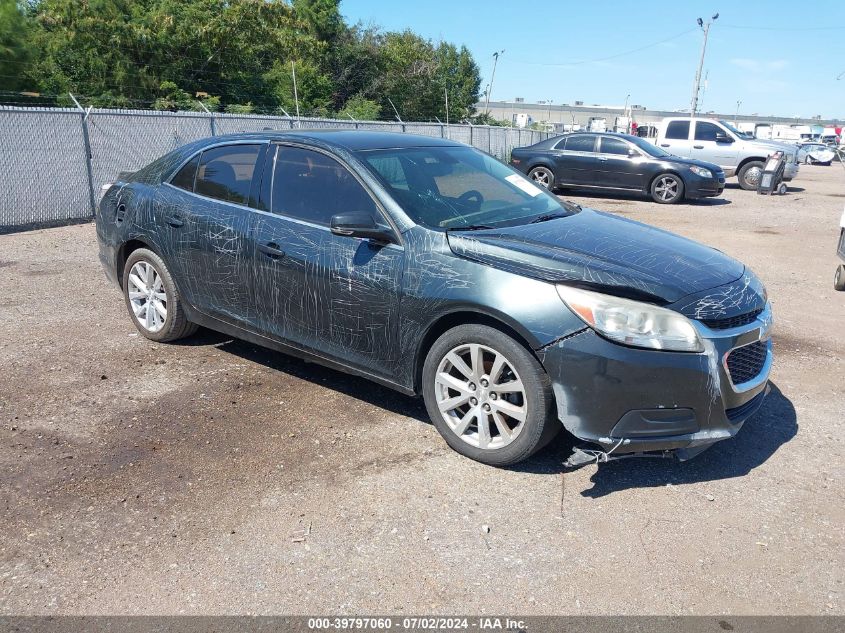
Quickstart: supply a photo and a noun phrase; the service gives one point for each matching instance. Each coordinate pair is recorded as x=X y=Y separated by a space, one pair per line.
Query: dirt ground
x=213 y=476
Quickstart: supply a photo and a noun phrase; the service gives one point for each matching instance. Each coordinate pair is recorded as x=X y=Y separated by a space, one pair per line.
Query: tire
x=473 y=404
x=543 y=176
x=667 y=188
x=749 y=175
x=146 y=302
x=839 y=278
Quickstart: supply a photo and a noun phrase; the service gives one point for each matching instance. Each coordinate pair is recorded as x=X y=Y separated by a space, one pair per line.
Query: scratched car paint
x=430 y=267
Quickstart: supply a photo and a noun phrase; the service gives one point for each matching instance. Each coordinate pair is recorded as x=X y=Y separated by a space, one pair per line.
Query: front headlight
x=700 y=171
x=632 y=322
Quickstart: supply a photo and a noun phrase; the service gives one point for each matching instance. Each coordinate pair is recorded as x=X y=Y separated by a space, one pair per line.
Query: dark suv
x=434 y=269
x=618 y=162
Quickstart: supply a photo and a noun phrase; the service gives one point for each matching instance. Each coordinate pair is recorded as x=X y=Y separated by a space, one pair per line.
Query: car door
x=620 y=164
x=575 y=160
x=206 y=224
x=332 y=295
x=676 y=139
x=708 y=147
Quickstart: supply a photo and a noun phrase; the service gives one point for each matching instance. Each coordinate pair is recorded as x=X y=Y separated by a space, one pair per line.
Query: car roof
x=352 y=140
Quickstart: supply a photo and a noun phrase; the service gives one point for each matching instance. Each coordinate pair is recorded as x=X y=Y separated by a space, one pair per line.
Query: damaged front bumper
x=633 y=400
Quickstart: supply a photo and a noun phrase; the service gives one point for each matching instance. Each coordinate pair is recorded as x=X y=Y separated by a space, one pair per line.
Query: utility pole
x=706 y=29
x=625 y=115
x=492 y=77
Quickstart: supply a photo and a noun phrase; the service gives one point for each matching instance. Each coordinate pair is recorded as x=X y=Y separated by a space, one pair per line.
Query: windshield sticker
x=521 y=183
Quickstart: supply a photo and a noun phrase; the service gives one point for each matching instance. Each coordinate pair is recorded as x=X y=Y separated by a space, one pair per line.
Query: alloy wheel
x=666 y=188
x=542 y=177
x=752 y=176
x=480 y=396
x=147 y=296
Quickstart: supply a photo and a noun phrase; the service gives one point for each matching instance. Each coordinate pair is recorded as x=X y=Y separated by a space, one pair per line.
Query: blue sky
x=779 y=57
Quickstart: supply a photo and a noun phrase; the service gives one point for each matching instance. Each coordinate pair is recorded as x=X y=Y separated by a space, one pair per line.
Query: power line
x=614 y=56
x=745 y=27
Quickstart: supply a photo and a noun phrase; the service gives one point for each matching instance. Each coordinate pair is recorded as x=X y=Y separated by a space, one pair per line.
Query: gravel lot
x=216 y=477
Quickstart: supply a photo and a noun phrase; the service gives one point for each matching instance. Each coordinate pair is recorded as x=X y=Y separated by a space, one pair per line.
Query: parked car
x=617 y=161
x=815 y=154
x=719 y=142
x=839 y=276
x=432 y=268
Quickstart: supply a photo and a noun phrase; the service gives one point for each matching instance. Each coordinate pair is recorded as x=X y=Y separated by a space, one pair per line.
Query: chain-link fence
x=53 y=161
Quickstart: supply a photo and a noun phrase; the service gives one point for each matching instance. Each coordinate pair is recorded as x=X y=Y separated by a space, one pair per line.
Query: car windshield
x=453 y=188
x=739 y=133
x=649 y=148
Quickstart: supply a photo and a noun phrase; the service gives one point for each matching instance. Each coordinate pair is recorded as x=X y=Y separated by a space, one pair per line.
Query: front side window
x=705 y=131
x=610 y=145
x=581 y=143
x=184 y=178
x=225 y=173
x=678 y=130
x=311 y=186
x=458 y=187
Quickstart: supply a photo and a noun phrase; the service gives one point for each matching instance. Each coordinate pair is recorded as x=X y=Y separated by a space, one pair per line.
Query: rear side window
x=313 y=187
x=226 y=172
x=184 y=178
x=678 y=130
x=580 y=143
x=613 y=146
x=705 y=131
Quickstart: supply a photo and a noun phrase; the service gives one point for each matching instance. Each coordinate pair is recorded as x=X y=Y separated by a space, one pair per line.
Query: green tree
x=360 y=109
x=15 y=50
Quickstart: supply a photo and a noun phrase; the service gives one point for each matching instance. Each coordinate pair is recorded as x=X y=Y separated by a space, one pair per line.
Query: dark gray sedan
x=434 y=269
x=619 y=162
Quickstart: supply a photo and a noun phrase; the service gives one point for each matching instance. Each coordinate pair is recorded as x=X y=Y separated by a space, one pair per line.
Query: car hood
x=602 y=251
x=788 y=148
x=679 y=160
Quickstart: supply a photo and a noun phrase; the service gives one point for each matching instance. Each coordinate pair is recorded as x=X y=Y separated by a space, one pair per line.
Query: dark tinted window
x=613 y=146
x=580 y=143
x=225 y=172
x=310 y=186
x=705 y=131
x=678 y=130
x=184 y=179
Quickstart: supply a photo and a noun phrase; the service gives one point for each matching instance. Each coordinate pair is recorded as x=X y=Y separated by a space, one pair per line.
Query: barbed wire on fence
x=54 y=160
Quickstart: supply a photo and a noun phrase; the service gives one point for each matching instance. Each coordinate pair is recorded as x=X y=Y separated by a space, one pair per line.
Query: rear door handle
x=698 y=146
x=664 y=145
x=175 y=221
x=271 y=250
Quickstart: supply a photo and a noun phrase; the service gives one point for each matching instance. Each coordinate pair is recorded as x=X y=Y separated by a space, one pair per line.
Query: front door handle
x=175 y=221
x=698 y=146
x=664 y=145
x=271 y=250
x=602 y=157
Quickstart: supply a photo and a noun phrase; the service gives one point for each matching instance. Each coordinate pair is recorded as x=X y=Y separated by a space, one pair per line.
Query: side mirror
x=360 y=224
x=632 y=153
x=722 y=137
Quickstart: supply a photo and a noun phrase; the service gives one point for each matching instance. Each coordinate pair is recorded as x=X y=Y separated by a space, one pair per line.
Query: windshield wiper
x=471 y=227
x=548 y=216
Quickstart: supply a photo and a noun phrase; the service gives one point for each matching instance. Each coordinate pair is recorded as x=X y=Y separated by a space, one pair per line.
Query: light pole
x=736 y=116
x=625 y=114
x=549 y=119
x=706 y=29
x=492 y=77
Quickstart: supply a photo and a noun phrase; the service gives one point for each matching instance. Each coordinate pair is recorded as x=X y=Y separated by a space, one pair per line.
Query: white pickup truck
x=737 y=153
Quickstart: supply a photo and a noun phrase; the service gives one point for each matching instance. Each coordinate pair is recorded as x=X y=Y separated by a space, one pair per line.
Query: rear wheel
x=839 y=278
x=151 y=297
x=750 y=174
x=488 y=396
x=543 y=176
x=667 y=189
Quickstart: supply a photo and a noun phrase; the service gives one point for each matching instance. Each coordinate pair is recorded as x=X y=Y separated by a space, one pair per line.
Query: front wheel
x=667 y=189
x=152 y=299
x=543 y=176
x=750 y=174
x=488 y=396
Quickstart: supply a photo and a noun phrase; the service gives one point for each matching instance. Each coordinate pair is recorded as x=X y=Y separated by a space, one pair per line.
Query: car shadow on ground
x=761 y=436
x=354 y=386
x=610 y=199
